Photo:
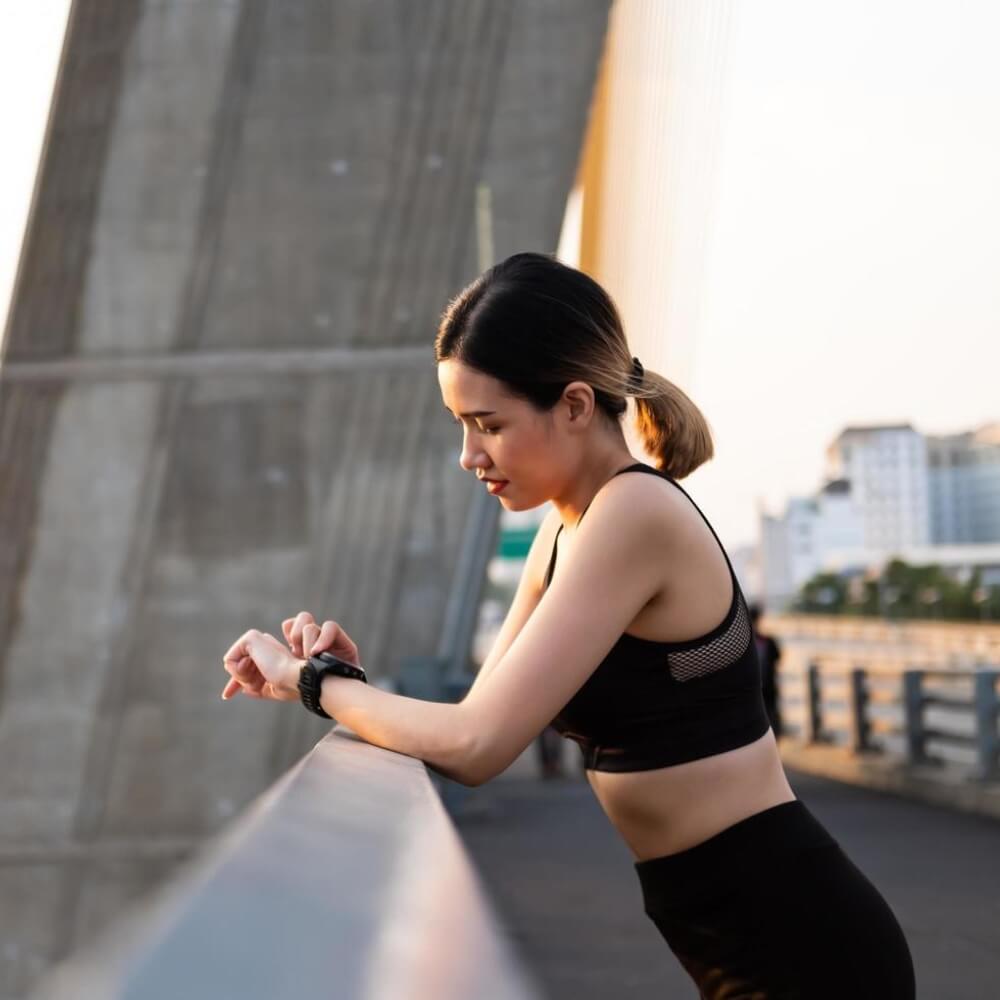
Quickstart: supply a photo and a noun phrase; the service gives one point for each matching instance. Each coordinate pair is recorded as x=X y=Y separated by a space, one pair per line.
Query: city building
x=964 y=482
x=886 y=469
x=892 y=492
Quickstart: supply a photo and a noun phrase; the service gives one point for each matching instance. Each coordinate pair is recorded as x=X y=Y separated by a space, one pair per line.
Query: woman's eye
x=482 y=430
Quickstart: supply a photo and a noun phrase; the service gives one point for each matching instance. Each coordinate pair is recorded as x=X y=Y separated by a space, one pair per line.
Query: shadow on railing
x=922 y=716
x=345 y=879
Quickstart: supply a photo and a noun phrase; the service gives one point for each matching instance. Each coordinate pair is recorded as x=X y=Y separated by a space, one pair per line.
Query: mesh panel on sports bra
x=655 y=704
x=700 y=658
x=716 y=654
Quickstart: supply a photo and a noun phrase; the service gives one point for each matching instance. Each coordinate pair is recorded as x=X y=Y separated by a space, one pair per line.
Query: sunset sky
x=855 y=240
x=854 y=259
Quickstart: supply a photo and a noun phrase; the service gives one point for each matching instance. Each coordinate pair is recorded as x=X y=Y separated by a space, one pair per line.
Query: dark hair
x=536 y=325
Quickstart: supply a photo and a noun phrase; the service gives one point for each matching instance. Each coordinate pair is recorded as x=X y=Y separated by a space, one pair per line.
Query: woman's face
x=504 y=438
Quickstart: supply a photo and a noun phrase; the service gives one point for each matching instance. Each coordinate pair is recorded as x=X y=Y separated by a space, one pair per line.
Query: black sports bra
x=652 y=704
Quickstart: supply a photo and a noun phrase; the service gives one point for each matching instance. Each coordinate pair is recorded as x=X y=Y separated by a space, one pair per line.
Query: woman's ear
x=578 y=399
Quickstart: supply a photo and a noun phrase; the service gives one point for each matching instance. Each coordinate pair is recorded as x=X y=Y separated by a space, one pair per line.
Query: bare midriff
x=670 y=809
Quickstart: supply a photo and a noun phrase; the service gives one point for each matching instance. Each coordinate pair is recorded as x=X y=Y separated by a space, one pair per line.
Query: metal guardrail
x=921 y=711
x=346 y=879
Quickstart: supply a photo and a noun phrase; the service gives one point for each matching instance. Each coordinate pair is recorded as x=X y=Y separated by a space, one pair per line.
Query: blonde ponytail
x=673 y=430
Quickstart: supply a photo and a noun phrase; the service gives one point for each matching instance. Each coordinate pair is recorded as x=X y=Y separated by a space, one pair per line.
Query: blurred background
x=226 y=232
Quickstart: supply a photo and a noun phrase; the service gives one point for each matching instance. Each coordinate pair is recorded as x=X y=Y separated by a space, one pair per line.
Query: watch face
x=327 y=663
x=328 y=658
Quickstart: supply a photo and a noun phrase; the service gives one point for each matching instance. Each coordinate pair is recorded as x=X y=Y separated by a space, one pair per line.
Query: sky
x=853 y=271
x=31 y=34
x=854 y=246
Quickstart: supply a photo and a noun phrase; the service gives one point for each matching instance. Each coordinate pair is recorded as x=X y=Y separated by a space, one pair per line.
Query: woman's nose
x=472 y=456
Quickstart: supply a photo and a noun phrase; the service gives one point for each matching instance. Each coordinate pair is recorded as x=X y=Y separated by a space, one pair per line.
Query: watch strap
x=311 y=678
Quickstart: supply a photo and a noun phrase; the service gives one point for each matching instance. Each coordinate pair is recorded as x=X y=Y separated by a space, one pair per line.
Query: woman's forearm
x=434 y=732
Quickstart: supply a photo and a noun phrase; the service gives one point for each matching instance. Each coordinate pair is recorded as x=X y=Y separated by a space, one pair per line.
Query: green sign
x=515 y=542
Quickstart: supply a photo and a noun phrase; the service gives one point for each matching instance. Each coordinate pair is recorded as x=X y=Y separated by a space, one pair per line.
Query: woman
x=639 y=649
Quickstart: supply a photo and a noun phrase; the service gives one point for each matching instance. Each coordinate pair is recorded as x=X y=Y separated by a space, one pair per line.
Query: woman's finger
x=302 y=619
x=239 y=668
x=335 y=639
x=251 y=688
x=309 y=636
x=327 y=634
x=238 y=649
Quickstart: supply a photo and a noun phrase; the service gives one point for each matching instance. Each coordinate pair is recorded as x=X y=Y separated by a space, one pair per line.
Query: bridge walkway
x=567 y=893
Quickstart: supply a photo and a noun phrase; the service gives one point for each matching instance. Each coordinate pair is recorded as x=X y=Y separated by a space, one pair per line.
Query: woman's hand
x=305 y=637
x=261 y=667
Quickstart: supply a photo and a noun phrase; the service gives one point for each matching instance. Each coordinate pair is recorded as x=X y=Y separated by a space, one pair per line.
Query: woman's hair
x=536 y=325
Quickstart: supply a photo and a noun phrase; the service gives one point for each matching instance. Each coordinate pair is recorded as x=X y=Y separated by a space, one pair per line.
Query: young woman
x=629 y=633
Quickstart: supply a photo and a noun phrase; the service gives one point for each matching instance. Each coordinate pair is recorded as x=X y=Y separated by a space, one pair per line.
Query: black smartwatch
x=315 y=669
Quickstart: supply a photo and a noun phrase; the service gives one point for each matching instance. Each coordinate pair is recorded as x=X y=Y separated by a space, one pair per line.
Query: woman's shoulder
x=674 y=529
x=653 y=498
x=633 y=509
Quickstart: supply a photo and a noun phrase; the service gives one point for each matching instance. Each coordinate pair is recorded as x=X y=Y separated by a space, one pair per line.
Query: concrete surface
x=258 y=179
x=567 y=892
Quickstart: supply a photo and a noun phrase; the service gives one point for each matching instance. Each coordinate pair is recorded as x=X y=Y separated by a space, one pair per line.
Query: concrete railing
x=346 y=879
x=927 y=643
x=923 y=716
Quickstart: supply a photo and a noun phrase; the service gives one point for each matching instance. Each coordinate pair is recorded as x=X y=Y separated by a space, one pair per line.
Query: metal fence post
x=986 y=722
x=860 y=727
x=814 y=705
x=913 y=712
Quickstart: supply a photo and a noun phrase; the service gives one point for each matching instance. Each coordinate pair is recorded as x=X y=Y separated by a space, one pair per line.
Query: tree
x=902 y=591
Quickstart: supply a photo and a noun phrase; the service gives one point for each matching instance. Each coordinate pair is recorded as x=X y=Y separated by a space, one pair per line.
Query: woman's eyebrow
x=475 y=413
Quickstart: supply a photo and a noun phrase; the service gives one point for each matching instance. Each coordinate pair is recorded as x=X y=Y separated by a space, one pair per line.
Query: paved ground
x=568 y=895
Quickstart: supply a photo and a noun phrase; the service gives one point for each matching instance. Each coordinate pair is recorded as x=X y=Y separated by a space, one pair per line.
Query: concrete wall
x=218 y=403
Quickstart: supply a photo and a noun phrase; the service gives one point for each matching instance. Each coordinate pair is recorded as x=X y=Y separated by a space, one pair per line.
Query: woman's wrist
x=337 y=692
x=292 y=680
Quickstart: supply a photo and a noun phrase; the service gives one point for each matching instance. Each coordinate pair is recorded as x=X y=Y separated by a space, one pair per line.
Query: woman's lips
x=495 y=486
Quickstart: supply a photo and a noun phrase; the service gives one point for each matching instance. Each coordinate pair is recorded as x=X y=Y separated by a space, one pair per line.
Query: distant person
x=638 y=648
x=769 y=653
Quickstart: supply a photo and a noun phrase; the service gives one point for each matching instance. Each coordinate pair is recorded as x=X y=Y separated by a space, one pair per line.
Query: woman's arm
x=526 y=597
x=262 y=667
x=437 y=735
x=610 y=573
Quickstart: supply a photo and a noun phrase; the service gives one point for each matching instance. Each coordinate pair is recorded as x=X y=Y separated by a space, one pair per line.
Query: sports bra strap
x=642 y=467
x=552 y=559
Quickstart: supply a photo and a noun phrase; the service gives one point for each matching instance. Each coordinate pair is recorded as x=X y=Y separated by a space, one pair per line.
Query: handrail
x=345 y=879
x=912 y=699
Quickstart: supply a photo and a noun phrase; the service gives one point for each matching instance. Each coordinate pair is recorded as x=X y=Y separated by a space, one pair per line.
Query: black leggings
x=770 y=908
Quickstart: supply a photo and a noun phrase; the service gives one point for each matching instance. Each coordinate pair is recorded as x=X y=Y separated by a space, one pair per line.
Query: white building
x=893 y=493
x=887 y=470
x=950 y=485
x=964 y=477
x=985 y=484
x=812 y=533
